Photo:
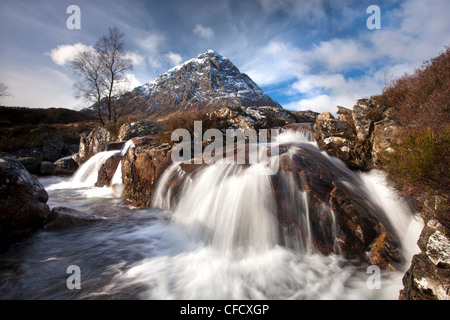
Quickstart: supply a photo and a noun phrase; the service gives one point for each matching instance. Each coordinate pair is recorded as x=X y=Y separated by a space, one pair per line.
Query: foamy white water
x=87 y=173
x=219 y=240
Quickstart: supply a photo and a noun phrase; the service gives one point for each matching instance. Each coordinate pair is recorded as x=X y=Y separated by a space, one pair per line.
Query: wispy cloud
x=204 y=32
x=174 y=58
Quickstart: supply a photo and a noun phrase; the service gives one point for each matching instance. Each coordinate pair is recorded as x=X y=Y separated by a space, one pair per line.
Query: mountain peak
x=208 y=81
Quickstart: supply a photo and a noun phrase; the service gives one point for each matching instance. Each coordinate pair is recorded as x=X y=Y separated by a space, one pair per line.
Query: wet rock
x=425 y=281
x=385 y=253
x=107 y=170
x=139 y=129
x=23 y=207
x=117 y=145
x=61 y=218
x=141 y=168
x=66 y=163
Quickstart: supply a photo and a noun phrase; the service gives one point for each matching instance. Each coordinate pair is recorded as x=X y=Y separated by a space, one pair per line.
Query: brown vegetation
x=30 y=127
x=420 y=103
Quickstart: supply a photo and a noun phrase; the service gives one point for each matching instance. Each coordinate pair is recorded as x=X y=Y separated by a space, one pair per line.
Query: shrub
x=420 y=160
x=421 y=99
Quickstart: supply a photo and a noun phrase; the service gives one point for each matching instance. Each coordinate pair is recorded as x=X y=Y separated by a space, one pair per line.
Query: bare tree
x=115 y=65
x=87 y=67
x=4 y=90
x=102 y=73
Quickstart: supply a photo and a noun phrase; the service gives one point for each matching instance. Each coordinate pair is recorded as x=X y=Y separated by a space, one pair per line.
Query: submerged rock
x=23 y=207
x=61 y=218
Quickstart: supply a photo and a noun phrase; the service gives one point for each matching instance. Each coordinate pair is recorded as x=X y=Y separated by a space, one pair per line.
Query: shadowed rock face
x=23 y=207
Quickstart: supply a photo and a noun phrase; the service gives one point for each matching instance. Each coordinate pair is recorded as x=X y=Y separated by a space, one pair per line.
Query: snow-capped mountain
x=208 y=81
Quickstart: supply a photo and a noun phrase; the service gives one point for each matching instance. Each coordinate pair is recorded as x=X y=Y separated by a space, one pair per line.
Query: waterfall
x=87 y=174
x=233 y=206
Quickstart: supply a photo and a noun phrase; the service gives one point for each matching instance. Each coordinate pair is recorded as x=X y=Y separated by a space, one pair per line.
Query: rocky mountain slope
x=206 y=82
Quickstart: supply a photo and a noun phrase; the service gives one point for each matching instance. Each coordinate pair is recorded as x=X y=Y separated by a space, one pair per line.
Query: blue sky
x=306 y=54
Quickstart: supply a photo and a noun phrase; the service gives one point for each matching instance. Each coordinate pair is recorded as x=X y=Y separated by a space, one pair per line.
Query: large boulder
x=321 y=206
x=428 y=277
x=141 y=168
x=93 y=142
x=360 y=137
x=386 y=133
x=23 y=206
x=338 y=138
x=139 y=129
x=340 y=217
x=66 y=163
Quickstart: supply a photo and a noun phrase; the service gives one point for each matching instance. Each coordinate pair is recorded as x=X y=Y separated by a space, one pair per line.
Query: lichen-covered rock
x=265 y=117
x=428 y=277
x=23 y=206
x=93 y=142
x=386 y=133
x=139 y=129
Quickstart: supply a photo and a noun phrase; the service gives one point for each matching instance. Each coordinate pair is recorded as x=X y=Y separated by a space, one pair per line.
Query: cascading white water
x=233 y=205
x=87 y=174
x=218 y=239
x=213 y=204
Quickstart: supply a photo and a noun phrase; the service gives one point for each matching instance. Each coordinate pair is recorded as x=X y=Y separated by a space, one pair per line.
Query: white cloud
x=423 y=29
x=275 y=63
x=136 y=58
x=152 y=46
x=66 y=53
x=127 y=84
x=204 y=32
x=174 y=58
x=340 y=54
